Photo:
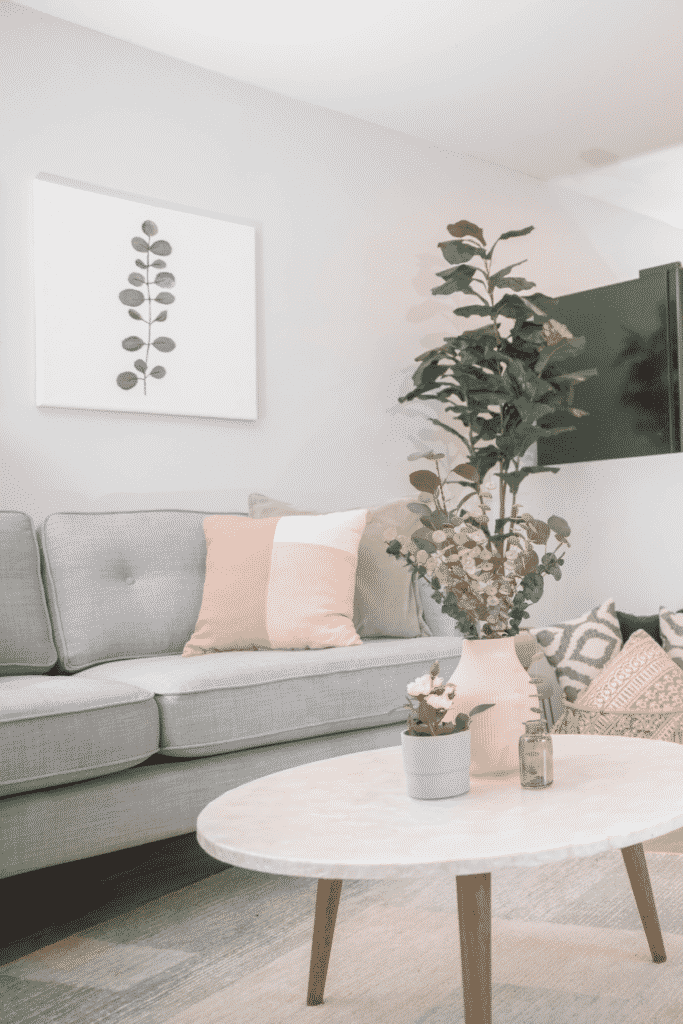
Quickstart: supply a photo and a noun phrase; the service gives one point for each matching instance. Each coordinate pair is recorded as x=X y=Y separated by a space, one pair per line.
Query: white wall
x=348 y=216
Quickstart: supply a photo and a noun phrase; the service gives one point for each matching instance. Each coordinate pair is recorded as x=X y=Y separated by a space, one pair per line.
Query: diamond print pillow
x=671 y=630
x=580 y=648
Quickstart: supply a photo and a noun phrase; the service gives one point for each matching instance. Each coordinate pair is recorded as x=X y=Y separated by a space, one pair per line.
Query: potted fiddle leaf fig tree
x=502 y=383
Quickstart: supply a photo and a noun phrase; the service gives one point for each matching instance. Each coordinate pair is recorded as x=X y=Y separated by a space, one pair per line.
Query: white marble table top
x=351 y=817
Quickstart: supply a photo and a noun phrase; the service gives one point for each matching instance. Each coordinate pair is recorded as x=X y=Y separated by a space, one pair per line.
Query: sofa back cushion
x=26 y=643
x=122 y=584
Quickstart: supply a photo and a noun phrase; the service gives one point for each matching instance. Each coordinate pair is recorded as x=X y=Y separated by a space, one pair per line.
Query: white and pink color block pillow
x=278 y=583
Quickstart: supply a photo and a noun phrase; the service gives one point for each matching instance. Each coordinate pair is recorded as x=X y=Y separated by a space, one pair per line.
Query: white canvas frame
x=83 y=258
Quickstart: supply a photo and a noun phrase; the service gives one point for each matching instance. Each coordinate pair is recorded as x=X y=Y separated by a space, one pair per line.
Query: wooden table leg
x=326 y=906
x=474 y=920
x=639 y=877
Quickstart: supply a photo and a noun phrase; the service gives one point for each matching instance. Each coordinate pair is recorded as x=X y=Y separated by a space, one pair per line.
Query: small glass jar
x=536 y=755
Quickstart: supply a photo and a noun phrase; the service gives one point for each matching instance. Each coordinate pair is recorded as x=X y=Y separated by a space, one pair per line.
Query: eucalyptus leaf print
x=134 y=297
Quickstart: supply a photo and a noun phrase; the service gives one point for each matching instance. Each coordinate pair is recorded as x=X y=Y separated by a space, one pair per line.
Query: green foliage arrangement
x=501 y=387
x=133 y=297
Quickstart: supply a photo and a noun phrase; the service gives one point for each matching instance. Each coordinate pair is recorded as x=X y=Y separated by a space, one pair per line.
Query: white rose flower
x=421 y=686
x=438 y=702
x=438 y=536
x=421 y=557
x=492 y=601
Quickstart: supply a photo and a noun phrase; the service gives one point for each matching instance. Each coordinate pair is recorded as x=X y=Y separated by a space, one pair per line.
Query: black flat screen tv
x=634 y=337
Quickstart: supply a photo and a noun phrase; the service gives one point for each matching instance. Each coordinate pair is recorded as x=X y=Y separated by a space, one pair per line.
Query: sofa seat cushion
x=26 y=644
x=233 y=700
x=60 y=729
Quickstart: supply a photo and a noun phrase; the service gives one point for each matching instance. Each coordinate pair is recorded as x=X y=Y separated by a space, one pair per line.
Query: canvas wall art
x=142 y=308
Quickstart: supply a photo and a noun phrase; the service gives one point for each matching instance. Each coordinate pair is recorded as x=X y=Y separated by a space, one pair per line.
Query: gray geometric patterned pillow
x=671 y=629
x=580 y=648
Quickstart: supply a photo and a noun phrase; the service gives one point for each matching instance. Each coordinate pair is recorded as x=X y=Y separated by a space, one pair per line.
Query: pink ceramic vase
x=489 y=672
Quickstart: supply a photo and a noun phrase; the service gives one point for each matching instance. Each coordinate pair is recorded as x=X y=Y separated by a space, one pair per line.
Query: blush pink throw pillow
x=280 y=583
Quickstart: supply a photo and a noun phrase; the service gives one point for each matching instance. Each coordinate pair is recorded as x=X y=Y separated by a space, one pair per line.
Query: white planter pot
x=436 y=766
x=489 y=672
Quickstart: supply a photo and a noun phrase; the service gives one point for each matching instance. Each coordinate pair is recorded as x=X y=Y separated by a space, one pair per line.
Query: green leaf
x=131 y=297
x=481 y=310
x=139 y=263
x=134 y=313
x=127 y=380
x=511 y=306
x=419 y=508
x=558 y=351
x=161 y=248
x=459 y=252
x=518 y=284
x=576 y=378
x=161 y=316
x=133 y=343
x=136 y=279
x=459 y=281
x=164 y=297
x=530 y=411
x=463 y=228
x=479 y=708
x=158 y=264
x=140 y=365
x=495 y=278
x=422 y=538
x=516 y=234
x=164 y=280
x=149 y=227
x=164 y=344
x=424 y=480
x=531 y=588
x=140 y=244
x=559 y=526
x=467 y=472
x=427 y=374
x=158 y=371
x=515 y=478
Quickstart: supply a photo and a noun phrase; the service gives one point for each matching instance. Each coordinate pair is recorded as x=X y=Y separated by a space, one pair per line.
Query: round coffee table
x=350 y=817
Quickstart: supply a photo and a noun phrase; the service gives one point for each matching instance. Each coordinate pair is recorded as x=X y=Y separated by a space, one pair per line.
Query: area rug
x=567 y=948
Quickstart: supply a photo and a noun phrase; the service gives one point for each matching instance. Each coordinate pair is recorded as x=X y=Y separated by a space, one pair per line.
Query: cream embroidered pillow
x=580 y=648
x=278 y=583
x=642 y=677
x=386 y=601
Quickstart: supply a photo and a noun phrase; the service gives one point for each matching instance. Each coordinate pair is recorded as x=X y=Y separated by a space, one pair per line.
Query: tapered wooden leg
x=639 y=877
x=474 y=920
x=326 y=906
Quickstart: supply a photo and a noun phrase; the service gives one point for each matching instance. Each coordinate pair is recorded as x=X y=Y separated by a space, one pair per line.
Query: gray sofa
x=109 y=738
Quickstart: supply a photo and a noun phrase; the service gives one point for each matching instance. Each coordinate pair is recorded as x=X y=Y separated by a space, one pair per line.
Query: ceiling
x=586 y=93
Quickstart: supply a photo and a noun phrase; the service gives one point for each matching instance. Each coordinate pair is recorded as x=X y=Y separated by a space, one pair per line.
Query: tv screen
x=633 y=334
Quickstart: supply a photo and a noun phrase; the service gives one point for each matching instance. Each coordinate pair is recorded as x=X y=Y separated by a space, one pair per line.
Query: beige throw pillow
x=642 y=677
x=278 y=583
x=386 y=602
